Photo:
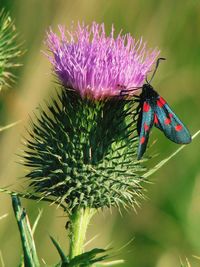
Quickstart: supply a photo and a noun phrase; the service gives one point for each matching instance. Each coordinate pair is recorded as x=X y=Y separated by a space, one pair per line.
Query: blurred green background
x=166 y=227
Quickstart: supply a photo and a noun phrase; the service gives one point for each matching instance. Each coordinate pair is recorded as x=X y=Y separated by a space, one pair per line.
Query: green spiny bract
x=9 y=50
x=82 y=153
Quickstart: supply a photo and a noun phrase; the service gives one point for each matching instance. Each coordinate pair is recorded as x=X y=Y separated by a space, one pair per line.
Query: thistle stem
x=79 y=221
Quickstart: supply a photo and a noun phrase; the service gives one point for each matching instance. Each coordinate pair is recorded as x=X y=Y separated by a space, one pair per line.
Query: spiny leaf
x=64 y=258
x=88 y=258
x=28 y=244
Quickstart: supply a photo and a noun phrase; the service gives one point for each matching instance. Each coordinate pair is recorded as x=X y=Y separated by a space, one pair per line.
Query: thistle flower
x=97 y=65
x=82 y=149
x=9 y=50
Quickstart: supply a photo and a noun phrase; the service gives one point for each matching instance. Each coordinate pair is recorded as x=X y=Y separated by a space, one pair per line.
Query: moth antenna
x=156 y=67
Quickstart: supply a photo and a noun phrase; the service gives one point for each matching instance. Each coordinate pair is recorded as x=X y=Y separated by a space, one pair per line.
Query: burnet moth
x=154 y=110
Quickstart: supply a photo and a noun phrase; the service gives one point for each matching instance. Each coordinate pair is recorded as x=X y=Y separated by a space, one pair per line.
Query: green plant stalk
x=79 y=221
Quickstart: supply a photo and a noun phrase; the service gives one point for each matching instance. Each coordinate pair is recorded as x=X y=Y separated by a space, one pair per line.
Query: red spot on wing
x=142 y=140
x=178 y=127
x=155 y=119
x=146 y=107
x=146 y=127
x=161 y=102
x=171 y=115
x=167 y=121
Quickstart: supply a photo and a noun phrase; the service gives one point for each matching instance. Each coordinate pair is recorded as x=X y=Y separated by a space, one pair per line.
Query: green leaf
x=28 y=244
x=33 y=230
x=88 y=258
x=85 y=259
x=64 y=259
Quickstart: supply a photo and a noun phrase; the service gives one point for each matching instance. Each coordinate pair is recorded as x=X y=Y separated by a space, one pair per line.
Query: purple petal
x=97 y=65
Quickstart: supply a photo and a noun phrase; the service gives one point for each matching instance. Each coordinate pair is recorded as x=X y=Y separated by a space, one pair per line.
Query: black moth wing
x=168 y=122
x=144 y=125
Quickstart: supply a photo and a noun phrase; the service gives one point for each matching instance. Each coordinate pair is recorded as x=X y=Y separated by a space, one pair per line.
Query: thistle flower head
x=97 y=65
x=82 y=149
x=9 y=50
